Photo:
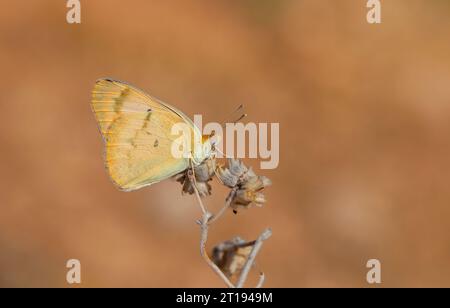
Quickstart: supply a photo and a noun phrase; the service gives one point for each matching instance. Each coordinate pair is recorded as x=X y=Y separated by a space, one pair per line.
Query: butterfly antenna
x=241 y=117
x=240 y=112
x=232 y=114
x=240 y=107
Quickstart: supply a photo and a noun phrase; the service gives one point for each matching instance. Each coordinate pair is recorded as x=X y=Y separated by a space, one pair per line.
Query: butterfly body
x=137 y=132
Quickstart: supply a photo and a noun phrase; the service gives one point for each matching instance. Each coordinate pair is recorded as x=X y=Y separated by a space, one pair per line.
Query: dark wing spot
x=156 y=143
x=120 y=99
x=149 y=110
x=146 y=121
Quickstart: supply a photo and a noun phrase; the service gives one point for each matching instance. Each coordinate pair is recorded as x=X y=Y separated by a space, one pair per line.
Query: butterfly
x=137 y=132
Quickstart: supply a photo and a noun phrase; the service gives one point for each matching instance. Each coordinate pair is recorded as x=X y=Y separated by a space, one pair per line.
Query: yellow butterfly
x=137 y=131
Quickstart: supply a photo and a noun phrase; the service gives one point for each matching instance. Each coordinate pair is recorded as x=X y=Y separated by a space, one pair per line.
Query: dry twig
x=251 y=259
x=246 y=182
x=203 y=240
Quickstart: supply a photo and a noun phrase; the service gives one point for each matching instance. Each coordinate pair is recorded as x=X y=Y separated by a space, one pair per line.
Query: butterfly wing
x=136 y=129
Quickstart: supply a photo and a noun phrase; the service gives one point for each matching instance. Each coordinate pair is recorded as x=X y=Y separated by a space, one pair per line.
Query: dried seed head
x=245 y=182
x=230 y=256
x=203 y=174
x=246 y=198
x=233 y=175
x=256 y=183
x=205 y=171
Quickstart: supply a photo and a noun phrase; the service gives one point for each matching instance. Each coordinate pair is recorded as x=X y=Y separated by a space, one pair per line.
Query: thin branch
x=208 y=219
x=203 y=240
x=228 y=201
x=251 y=258
x=191 y=175
x=262 y=278
x=204 y=232
x=200 y=202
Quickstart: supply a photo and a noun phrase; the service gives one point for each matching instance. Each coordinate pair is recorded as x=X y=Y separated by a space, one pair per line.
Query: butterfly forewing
x=136 y=129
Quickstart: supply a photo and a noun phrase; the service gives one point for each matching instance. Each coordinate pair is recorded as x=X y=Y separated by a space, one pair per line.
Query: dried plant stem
x=262 y=278
x=191 y=175
x=204 y=234
x=251 y=258
x=203 y=240
x=225 y=207
x=208 y=219
x=200 y=202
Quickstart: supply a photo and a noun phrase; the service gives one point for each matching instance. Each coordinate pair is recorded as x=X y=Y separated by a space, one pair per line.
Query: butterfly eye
x=214 y=140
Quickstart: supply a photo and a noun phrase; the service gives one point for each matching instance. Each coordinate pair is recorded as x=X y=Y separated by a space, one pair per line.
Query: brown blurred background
x=365 y=152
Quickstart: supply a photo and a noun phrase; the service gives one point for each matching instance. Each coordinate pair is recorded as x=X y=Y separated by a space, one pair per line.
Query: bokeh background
x=364 y=114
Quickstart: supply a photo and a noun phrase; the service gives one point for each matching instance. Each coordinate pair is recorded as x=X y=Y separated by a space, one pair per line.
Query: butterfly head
x=207 y=148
